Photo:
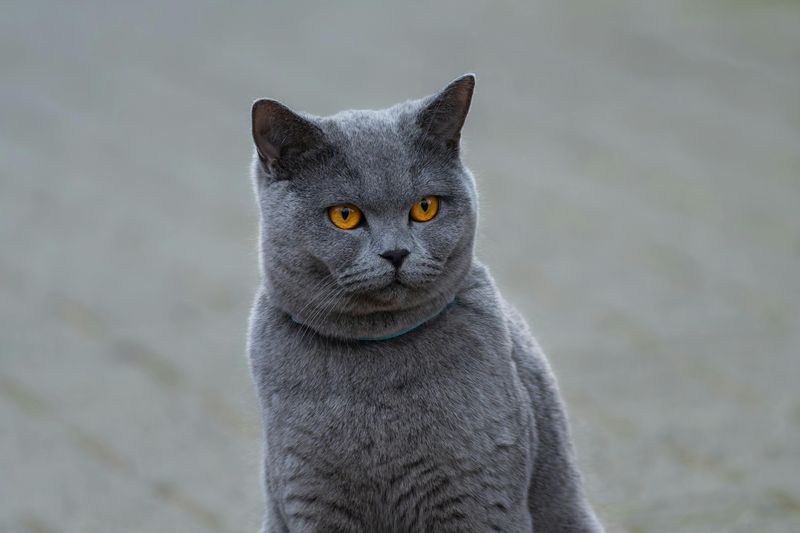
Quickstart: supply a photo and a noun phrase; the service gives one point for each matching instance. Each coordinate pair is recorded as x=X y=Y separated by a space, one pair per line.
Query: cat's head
x=367 y=217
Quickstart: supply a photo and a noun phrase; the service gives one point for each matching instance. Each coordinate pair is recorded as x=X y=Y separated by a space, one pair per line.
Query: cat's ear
x=443 y=114
x=280 y=134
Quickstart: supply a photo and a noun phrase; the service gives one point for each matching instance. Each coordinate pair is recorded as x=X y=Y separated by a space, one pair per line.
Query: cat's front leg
x=556 y=498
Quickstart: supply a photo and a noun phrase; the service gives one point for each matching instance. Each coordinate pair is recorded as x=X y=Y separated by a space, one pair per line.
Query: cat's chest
x=417 y=432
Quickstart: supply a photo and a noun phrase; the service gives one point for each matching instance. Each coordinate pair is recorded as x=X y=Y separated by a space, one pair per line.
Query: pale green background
x=639 y=169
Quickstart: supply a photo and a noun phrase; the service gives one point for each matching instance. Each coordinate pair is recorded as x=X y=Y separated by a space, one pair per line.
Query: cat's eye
x=425 y=209
x=345 y=216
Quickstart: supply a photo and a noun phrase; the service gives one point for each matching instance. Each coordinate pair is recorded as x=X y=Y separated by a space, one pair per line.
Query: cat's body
x=451 y=421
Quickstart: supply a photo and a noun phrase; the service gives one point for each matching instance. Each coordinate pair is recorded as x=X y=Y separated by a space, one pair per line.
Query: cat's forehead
x=366 y=130
x=374 y=144
x=379 y=159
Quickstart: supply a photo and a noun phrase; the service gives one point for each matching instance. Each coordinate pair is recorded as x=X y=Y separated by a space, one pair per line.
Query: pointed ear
x=280 y=134
x=443 y=114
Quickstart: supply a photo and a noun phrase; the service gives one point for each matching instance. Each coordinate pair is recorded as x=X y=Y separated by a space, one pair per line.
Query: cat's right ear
x=280 y=134
x=443 y=114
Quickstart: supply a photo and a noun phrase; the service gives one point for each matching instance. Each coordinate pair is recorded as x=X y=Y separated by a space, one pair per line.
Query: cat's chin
x=385 y=312
x=395 y=295
x=388 y=297
x=390 y=289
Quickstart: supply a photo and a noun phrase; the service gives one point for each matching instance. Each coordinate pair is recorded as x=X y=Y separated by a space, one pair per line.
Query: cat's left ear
x=443 y=114
x=281 y=135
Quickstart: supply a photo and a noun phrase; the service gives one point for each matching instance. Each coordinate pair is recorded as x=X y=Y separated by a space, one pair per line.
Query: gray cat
x=399 y=391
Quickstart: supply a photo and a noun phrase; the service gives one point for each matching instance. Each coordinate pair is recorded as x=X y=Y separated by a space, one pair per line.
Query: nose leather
x=395 y=257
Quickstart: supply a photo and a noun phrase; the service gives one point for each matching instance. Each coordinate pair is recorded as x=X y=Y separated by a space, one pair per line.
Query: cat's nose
x=395 y=257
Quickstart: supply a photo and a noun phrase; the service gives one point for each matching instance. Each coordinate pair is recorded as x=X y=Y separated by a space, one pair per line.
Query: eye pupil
x=425 y=204
x=345 y=213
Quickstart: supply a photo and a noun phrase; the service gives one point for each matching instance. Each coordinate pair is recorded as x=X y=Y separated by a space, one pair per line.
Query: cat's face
x=365 y=211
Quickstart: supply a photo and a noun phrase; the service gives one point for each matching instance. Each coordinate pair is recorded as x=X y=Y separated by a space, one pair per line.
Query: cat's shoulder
x=526 y=351
x=481 y=290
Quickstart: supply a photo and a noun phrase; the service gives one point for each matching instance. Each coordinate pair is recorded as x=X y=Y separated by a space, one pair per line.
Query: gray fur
x=454 y=426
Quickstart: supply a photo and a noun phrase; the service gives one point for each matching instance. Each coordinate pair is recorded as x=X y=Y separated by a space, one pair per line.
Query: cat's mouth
x=389 y=293
x=388 y=289
x=394 y=290
x=401 y=282
x=393 y=286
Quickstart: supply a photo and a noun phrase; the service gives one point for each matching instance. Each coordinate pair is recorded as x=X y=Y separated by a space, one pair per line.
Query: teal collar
x=400 y=332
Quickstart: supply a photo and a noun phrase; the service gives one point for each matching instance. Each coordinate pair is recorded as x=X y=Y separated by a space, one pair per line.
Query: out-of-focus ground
x=639 y=166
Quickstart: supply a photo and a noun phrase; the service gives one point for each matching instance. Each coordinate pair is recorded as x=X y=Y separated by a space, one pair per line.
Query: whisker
x=319 y=291
x=350 y=274
x=319 y=310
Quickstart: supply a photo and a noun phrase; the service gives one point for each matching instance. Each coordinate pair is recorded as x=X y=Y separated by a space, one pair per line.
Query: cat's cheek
x=342 y=253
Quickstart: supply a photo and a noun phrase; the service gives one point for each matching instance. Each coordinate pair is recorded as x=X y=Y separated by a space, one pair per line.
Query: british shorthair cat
x=399 y=391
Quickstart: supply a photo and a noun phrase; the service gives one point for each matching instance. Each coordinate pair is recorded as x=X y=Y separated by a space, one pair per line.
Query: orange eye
x=345 y=216
x=425 y=209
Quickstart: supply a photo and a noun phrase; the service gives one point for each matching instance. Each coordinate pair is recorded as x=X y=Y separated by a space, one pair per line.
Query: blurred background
x=639 y=171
